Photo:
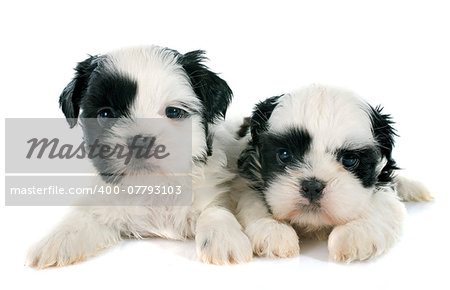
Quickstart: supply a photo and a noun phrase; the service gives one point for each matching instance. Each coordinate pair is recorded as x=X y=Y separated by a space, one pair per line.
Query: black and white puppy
x=149 y=82
x=320 y=159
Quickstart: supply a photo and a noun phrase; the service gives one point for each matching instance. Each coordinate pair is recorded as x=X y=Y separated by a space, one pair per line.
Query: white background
x=391 y=52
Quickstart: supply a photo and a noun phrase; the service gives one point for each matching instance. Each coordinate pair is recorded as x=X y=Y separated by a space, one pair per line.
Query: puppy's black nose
x=312 y=189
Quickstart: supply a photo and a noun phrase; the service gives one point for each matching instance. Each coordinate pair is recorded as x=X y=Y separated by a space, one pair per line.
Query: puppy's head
x=110 y=93
x=318 y=154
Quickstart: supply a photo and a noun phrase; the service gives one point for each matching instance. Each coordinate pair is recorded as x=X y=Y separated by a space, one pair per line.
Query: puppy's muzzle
x=312 y=189
x=141 y=146
x=140 y=141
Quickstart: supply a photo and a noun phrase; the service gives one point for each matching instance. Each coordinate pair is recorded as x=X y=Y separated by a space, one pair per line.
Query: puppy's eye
x=175 y=113
x=104 y=115
x=284 y=156
x=349 y=160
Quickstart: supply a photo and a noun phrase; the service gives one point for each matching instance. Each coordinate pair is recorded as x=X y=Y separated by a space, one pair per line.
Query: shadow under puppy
x=149 y=82
x=320 y=159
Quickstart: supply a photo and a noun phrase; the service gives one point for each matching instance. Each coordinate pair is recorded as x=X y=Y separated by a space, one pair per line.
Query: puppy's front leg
x=269 y=237
x=219 y=238
x=371 y=235
x=83 y=232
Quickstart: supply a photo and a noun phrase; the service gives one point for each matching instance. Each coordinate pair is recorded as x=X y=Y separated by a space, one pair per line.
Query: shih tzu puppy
x=160 y=83
x=320 y=160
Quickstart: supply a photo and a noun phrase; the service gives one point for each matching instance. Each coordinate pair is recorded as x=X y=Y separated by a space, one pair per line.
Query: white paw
x=73 y=241
x=59 y=249
x=349 y=243
x=271 y=238
x=223 y=242
x=412 y=190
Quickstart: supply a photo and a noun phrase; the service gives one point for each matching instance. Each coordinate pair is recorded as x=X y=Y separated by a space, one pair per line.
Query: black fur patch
x=296 y=141
x=109 y=89
x=384 y=134
x=70 y=98
x=213 y=91
x=93 y=88
x=249 y=162
x=261 y=115
x=259 y=163
x=250 y=167
x=244 y=128
x=365 y=170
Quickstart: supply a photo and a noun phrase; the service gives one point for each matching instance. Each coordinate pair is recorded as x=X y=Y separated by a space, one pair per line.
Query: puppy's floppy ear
x=250 y=167
x=249 y=160
x=261 y=114
x=70 y=98
x=384 y=135
x=213 y=91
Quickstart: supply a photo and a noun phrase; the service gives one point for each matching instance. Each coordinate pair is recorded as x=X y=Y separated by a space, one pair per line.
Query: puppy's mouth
x=312 y=207
x=320 y=211
x=139 y=166
x=304 y=213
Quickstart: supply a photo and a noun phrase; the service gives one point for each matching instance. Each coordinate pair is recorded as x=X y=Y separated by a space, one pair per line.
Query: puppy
x=160 y=83
x=320 y=159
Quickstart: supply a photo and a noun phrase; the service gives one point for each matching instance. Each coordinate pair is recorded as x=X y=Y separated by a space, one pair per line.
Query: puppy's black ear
x=70 y=98
x=261 y=114
x=213 y=91
x=250 y=167
x=249 y=163
x=384 y=135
